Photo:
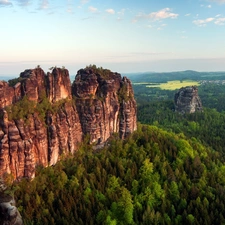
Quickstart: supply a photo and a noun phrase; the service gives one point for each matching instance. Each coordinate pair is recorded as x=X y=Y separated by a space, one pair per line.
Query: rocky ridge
x=187 y=100
x=44 y=115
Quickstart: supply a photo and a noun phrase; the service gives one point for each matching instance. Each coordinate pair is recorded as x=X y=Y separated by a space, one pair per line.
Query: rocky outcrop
x=105 y=104
x=59 y=86
x=9 y=214
x=32 y=84
x=56 y=116
x=187 y=100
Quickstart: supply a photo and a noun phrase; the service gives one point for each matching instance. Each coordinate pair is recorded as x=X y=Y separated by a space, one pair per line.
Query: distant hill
x=159 y=77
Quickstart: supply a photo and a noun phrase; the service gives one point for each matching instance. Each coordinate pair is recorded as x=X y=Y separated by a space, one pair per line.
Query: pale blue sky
x=121 y=35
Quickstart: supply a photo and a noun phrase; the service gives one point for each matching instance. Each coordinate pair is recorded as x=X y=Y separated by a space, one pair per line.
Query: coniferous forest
x=170 y=171
x=153 y=177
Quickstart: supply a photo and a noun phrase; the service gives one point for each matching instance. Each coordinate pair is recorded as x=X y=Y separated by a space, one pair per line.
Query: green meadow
x=174 y=84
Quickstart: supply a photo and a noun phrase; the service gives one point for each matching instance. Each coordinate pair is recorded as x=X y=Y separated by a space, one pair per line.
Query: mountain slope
x=154 y=176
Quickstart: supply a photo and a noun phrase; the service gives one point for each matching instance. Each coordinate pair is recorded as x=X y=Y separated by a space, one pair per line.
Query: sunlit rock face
x=105 y=104
x=98 y=104
x=32 y=84
x=6 y=93
x=187 y=100
x=58 y=85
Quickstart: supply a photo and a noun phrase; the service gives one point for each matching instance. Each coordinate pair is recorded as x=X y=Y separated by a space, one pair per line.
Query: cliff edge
x=44 y=115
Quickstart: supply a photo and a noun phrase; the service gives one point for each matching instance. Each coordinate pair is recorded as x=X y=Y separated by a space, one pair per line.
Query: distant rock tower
x=187 y=100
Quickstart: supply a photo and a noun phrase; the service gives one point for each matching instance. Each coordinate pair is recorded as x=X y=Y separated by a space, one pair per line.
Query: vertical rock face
x=59 y=86
x=32 y=83
x=187 y=100
x=104 y=104
x=7 y=94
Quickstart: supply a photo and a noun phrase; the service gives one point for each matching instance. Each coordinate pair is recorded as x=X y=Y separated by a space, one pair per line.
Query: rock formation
x=43 y=116
x=187 y=100
x=9 y=214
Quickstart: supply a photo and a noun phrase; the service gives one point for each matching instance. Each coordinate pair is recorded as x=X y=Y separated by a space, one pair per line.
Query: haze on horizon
x=123 y=36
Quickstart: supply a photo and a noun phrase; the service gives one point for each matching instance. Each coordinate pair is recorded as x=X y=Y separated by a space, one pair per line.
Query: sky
x=124 y=36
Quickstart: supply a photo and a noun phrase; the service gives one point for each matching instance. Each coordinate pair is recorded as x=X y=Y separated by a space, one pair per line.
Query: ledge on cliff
x=44 y=115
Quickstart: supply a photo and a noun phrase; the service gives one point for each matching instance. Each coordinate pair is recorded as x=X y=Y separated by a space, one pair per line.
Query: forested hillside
x=156 y=107
x=153 y=177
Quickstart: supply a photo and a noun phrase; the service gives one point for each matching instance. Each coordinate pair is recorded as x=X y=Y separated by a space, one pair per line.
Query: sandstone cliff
x=43 y=116
x=187 y=100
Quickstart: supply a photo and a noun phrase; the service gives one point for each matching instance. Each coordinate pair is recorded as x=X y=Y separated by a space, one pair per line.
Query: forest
x=170 y=171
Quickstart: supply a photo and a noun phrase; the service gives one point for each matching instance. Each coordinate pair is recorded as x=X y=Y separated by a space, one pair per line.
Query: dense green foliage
x=156 y=107
x=153 y=177
x=212 y=95
x=25 y=108
x=104 y=73
x=21 y=109
x=122 y=94
x=208 y=127
x=211 y=90
x=14 y=81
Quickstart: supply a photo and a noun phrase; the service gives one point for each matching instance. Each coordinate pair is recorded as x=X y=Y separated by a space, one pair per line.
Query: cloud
x=163 y=14
x=110 y=11
x=209 y=19
x=93 y=9
x=159 y=15
x=188 y=14
x=5 y=3
x=206 y=6
x=43 y=4
x=220 y=21
x=217 y=20
x=203 y=23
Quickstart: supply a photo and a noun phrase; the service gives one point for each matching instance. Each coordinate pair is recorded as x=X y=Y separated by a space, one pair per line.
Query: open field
x=174 y=84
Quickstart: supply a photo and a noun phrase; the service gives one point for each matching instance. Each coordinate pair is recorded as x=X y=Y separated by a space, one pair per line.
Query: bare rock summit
x=187 y=100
